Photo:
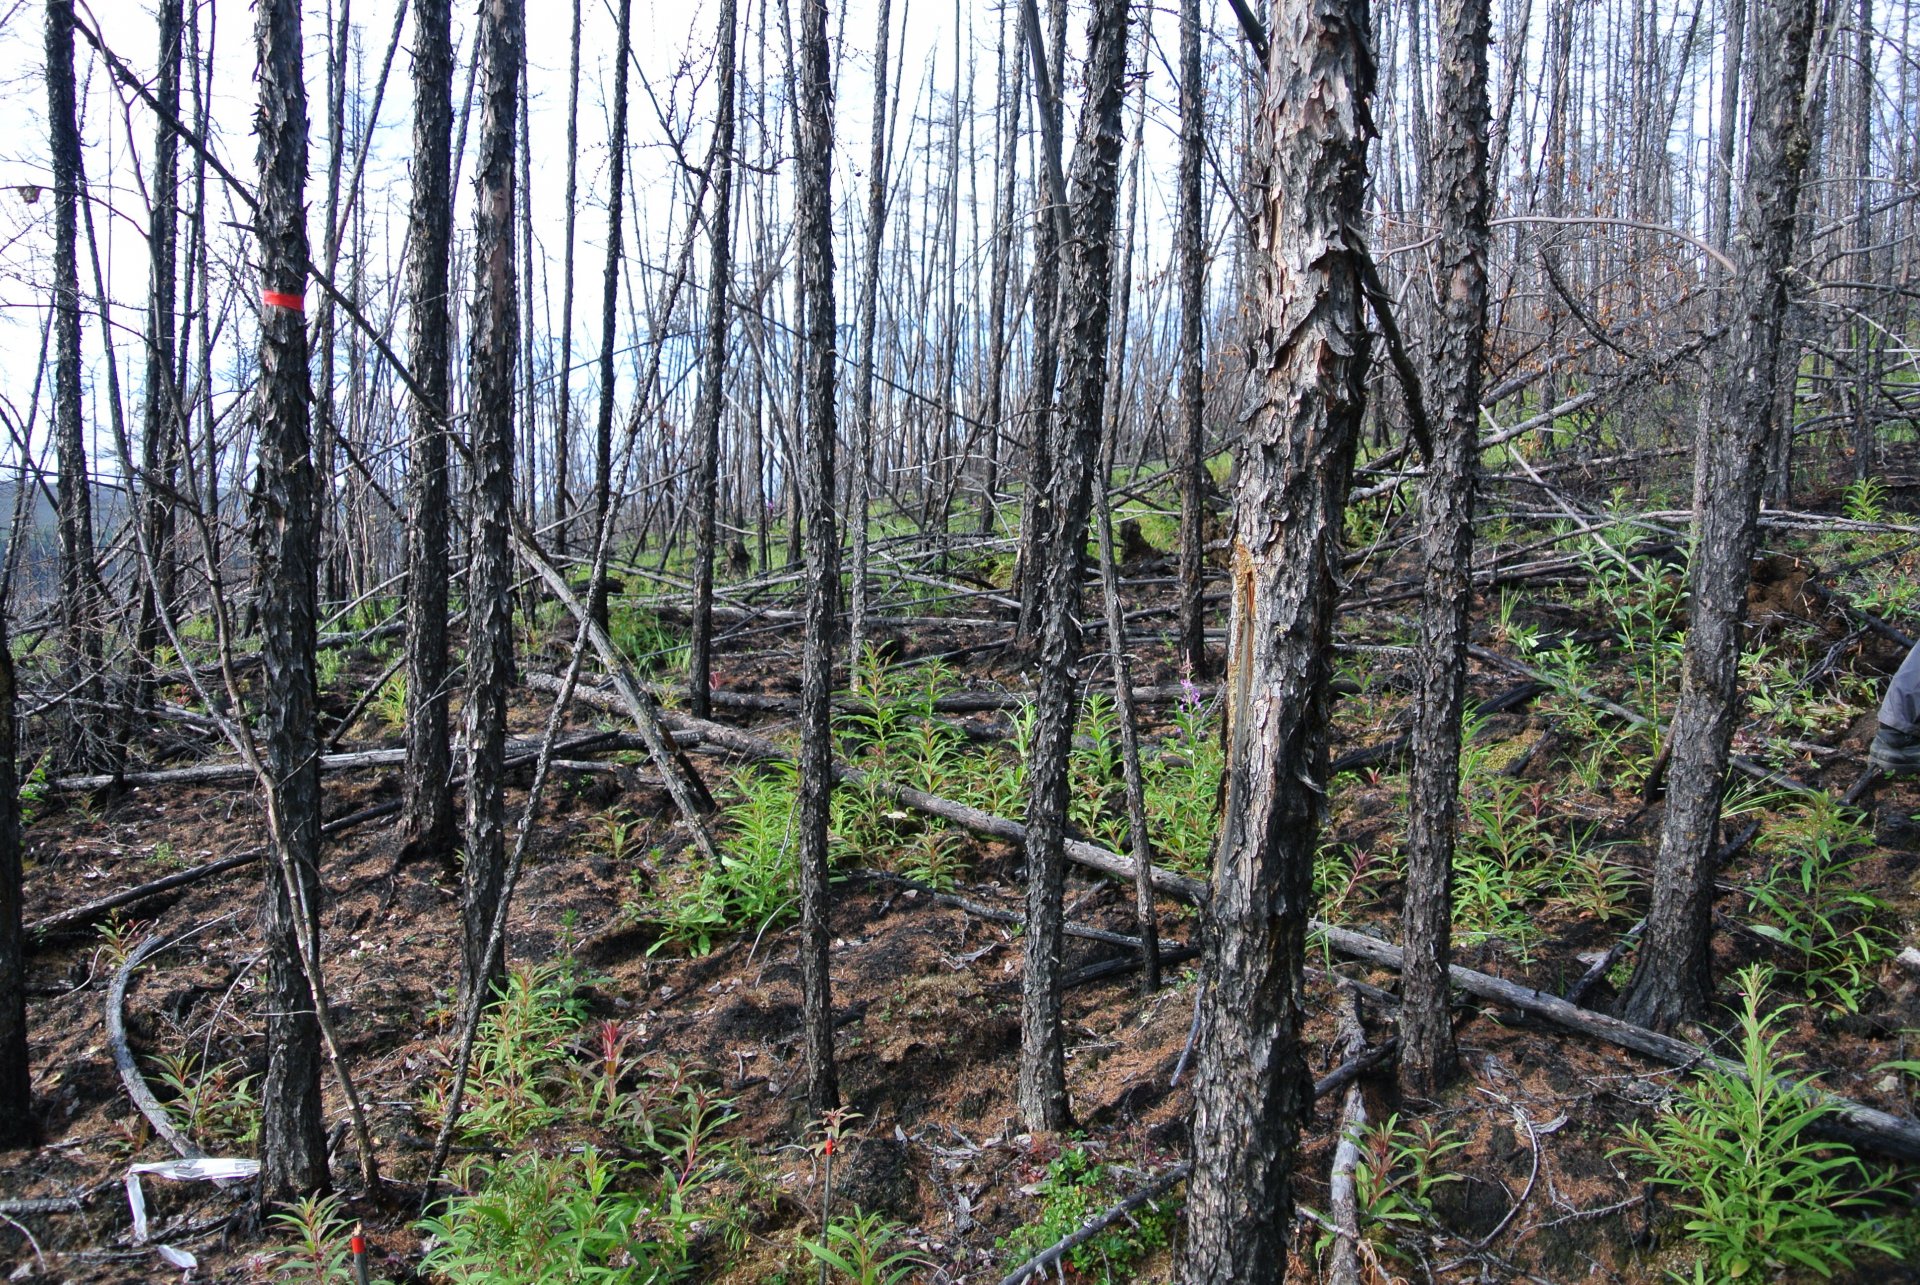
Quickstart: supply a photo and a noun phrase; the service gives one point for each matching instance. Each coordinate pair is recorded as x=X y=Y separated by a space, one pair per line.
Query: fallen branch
x=80 y=916
x=1343 y=1203
x=1040 y=1262
x=123 y=1062
x=223 y=773
x=960 y=814
x=981 y=910
x=1864 y=1126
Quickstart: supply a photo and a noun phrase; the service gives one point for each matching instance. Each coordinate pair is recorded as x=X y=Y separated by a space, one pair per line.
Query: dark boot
x=1895 y=752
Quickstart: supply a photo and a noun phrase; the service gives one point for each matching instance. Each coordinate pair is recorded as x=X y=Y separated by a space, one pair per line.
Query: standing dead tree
x=1085 y=306
x=79 y=578
x=1672 y=978
x=493 y=350
x=1458 y=337
x=286 y=526
x=161 y=420
x=814 y=236
x=1308 y=351
x=428 y=807
x=1190 y=237
x=706 y=427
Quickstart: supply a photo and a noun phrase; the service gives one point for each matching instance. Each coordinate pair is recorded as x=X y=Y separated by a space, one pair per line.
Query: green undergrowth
x=1759 y=1198
x=610 y=1168
x=893 y=730
x=1078 y=1186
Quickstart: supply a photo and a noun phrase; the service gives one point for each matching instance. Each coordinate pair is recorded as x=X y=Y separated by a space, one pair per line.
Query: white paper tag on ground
x=216 y=1169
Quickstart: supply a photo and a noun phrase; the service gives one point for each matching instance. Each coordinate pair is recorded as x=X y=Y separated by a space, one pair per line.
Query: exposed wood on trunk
x=1305 y=395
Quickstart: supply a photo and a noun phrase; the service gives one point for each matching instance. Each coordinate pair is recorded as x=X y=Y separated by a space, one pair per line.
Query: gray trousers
x=1901 y=708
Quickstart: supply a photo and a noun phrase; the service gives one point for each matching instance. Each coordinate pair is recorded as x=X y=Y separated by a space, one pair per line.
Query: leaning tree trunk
x=609 y=302
x=429 y=797
x=1308 y=352
x=493 y=347
x=1459 y=169
x=79 y=597
x=563 y=377
x=286 y=523
x=869 y=311
x=1008 y=139
x=1036 y=509
x=1672 y=979
x=1085 y=304
x=161 y=423
x=1191 y=244
x=706 y=427
x=814 y=175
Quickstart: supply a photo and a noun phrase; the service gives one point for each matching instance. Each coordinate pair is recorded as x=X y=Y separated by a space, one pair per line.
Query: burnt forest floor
x=656 y=1019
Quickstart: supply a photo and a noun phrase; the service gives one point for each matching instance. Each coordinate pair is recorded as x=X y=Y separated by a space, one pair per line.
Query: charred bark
x=429 y=796
x=1308 y=349
x=814 y=171
x=491 y=362
x=1191 y=248
x=17 y=1127
x=1086 y=300
x=1459 y=173
x=286 y=525
x=161 y=422
x=1036 y=510
x=609 y=301
x=1672 y=978
x=79 y=579
x=706 y=426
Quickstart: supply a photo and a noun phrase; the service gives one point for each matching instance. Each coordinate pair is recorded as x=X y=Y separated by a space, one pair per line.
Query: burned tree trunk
x=1086 y=300
x=1036 y=509
x=1191 y=246
x=1004 y=196
x=162 y=430
x=706 y=428
x=286 y=524
x=493 y=349
x=1308 y=350
x=429 y=797
x=869 y=315
x=1672 y=978
x=609 y=302
x=79 y=597
x=814 y=175
x=1459 y=171
x=16 y=1078
x=563 y=377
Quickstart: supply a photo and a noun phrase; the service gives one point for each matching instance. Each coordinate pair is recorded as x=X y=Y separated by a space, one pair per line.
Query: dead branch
x=123 y=1062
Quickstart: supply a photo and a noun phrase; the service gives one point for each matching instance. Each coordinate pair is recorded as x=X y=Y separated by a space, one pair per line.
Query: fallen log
x=960 y=814
x=225 y=773
x=80 y=916
x=1864 y=1126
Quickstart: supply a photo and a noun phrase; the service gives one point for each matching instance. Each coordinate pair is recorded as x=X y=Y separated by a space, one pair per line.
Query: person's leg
x=1896 y=747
